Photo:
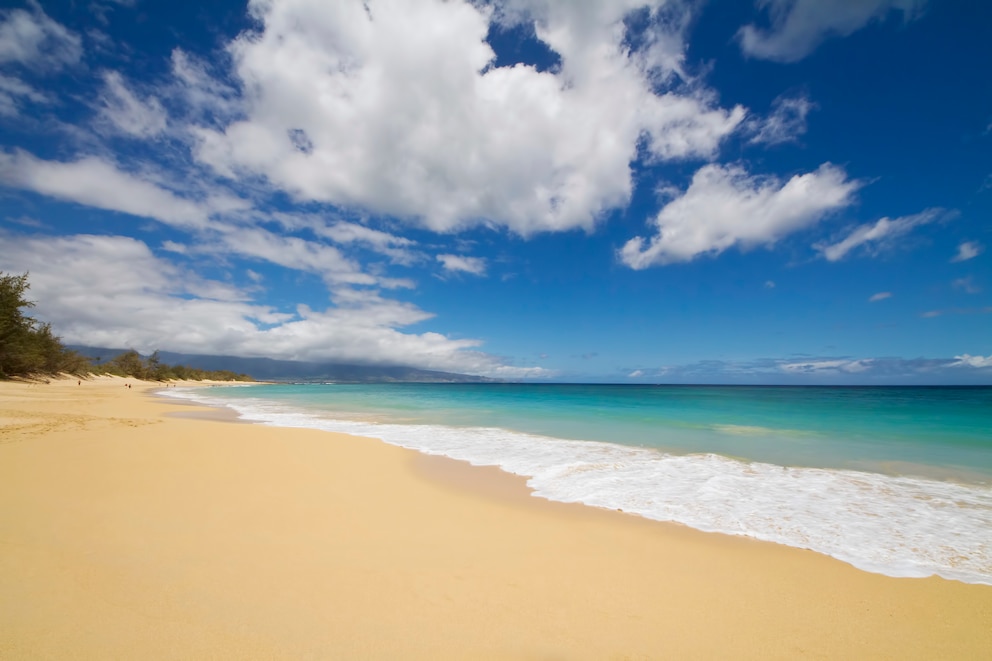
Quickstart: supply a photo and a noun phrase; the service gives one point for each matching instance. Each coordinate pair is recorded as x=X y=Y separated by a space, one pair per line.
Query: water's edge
x=897 y=526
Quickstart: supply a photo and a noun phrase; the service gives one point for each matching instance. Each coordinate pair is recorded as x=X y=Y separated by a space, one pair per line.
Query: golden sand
x=131 y=530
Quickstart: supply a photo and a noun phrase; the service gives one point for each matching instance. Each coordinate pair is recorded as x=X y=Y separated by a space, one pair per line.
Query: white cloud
x=113 y=291
x=786 y=122
x=799 y=26
x=400 y=250
x=769 y=284
x=725 y=206
x=294 y=253
x=207 y=100
x=880 y=296
x=13 y=91
x=129 y=114
x=843 y=365
x=968 y=250
x=876 y=235
x=397 y=109
x=635 y=374
x=966 y=360
x=33 y=40
x=97 y=183
x=459 y=263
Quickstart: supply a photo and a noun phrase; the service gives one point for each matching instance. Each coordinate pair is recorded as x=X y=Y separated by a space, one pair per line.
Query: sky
x=629 y=191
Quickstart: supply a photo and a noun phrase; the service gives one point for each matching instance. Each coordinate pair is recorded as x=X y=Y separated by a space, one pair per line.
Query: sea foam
x=898 y=526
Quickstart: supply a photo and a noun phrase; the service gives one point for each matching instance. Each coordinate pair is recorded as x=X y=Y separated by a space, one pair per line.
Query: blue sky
x=776 y=191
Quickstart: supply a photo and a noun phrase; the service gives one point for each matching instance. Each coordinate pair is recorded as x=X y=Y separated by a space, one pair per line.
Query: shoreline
x=126 y=531
x=571 y=471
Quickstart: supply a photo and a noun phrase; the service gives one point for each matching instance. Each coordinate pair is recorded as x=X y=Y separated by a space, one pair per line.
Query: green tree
x=130 y=364
x=15 y=326
x=154 y=368
x=27 y=346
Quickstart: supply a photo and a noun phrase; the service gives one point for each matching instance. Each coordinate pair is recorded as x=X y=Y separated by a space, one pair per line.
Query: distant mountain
x=267 y=369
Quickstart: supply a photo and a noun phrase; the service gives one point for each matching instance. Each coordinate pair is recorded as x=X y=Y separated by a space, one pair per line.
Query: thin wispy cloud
x=786 y=123
x=967 y=285
x=930 y=314
x=125 y=112
x=876 y=236
x=31 y=42
x=799 y=26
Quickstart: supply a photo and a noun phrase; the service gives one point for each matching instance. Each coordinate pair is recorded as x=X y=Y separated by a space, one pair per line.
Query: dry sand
x=130 y=532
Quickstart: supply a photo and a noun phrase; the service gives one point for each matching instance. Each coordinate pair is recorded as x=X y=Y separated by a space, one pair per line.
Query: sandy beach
x=134 y=527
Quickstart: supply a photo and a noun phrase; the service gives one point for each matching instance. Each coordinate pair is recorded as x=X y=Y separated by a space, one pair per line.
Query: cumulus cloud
x=880 y=296
x=113 y=291
x=462 y=264
x=786 y=122
x=966 y=360
x=725 y=206
x=968 y=250
x=397 y=107
x=799 y=26
x=875 y=236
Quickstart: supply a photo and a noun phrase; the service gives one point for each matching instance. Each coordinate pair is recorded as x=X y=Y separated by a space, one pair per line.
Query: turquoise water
x=894 y=480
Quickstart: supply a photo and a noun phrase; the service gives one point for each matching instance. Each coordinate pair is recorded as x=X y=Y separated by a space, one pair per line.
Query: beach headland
x=130 y=529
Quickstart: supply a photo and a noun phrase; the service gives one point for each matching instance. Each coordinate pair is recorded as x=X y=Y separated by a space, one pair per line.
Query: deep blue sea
x=892 y=480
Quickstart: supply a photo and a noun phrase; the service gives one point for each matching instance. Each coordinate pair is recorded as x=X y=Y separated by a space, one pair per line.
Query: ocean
x=893 y=480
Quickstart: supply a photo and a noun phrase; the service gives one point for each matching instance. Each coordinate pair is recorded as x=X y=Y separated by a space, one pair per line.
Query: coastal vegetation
x=29 y=348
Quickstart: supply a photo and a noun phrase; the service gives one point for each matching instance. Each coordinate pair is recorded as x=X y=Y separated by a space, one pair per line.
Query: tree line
x=30 y=348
